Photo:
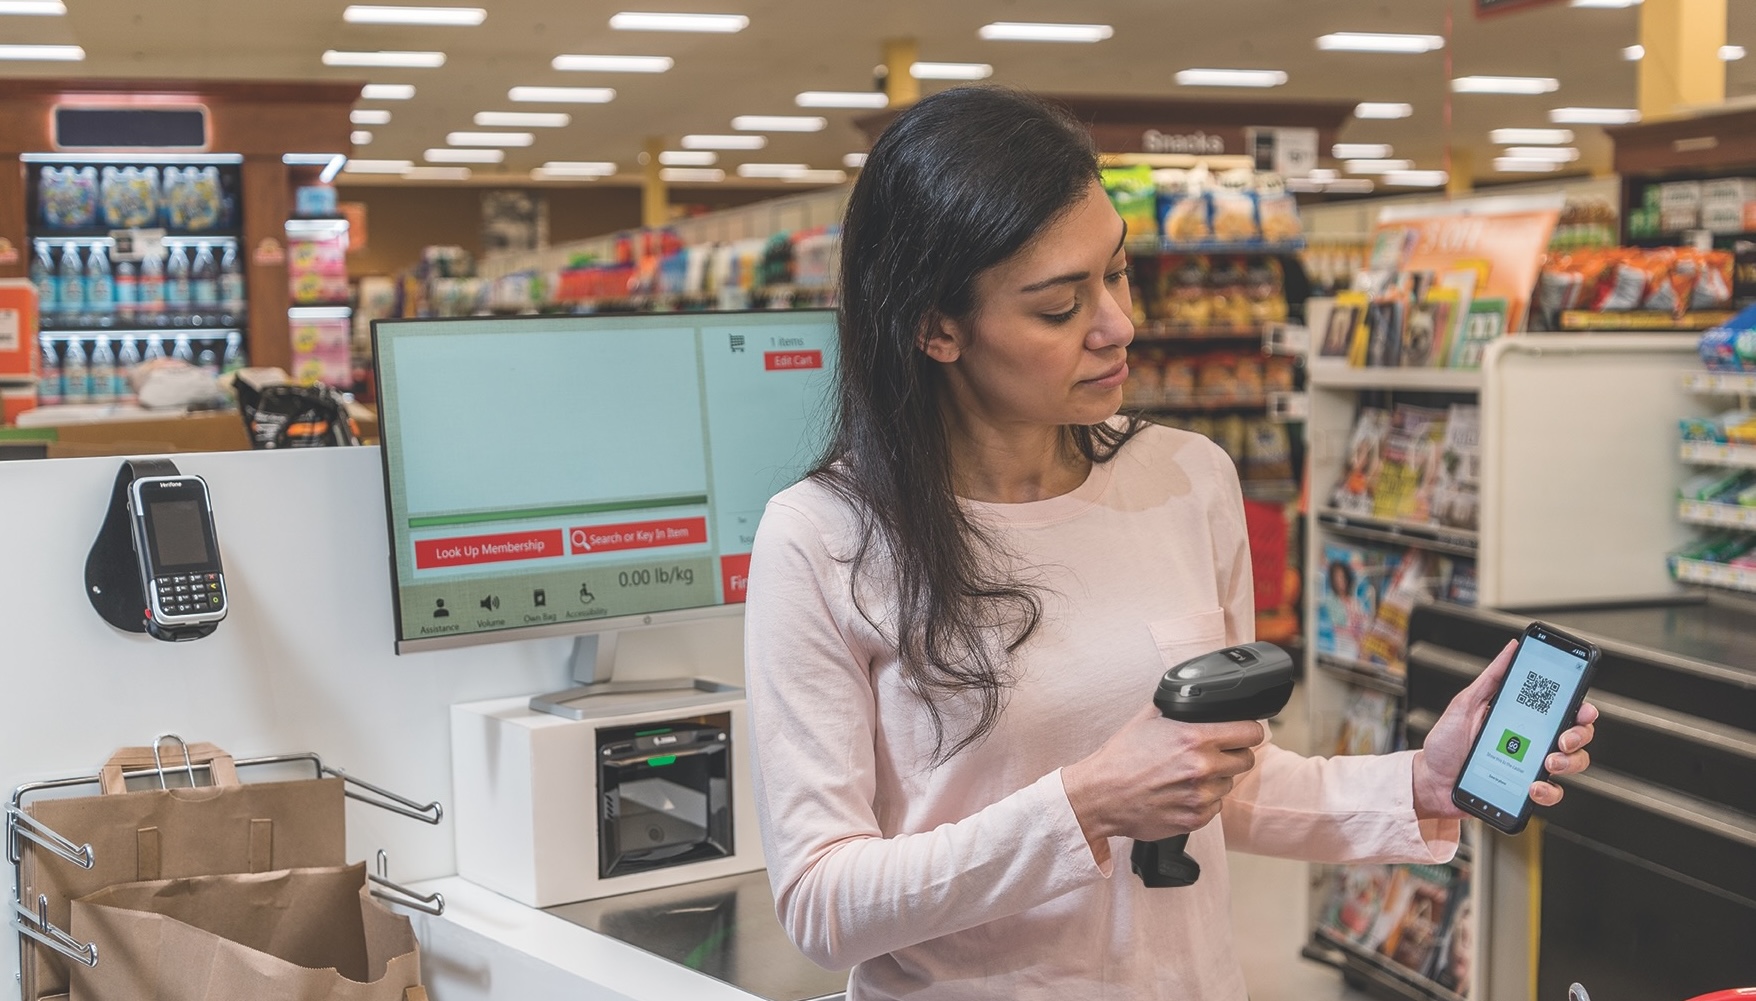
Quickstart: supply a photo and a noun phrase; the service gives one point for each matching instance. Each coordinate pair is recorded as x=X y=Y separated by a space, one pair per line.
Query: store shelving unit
x=1712 y=515
x=1553 y=406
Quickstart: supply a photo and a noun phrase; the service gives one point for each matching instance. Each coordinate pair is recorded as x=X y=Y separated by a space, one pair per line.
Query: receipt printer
x=645 y=791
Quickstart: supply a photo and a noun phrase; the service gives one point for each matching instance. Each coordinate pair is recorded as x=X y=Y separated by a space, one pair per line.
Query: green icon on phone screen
x=1513 y=745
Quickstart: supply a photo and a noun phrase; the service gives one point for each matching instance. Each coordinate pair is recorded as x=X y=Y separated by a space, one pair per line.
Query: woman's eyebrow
x=1072 y=277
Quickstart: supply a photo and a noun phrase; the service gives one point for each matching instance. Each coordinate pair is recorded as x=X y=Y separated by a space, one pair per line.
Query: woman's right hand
x=1157 y=778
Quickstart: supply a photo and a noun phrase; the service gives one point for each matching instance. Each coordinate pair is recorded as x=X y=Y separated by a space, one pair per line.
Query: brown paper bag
x=295 y=935
x=167 y=834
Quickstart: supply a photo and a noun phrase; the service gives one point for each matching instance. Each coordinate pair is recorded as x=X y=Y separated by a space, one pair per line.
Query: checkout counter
x=1645 y=883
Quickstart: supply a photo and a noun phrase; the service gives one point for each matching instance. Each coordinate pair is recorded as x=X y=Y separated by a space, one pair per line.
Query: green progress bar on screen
x=525 y=513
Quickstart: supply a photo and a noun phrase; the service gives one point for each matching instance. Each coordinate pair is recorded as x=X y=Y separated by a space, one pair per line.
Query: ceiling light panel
x=613 y=64
x=1732 y=53
x=1605 y=4
x=1505 y=85
x=360 y=137
x=38 y=8
x=724 y=142
x=387 y=92
x=464 y=17
x=42 y=53
x=562 y=95
x=1361 y=151
x=1634 y=53
x=1383 y=110
x=772 y=170
x=393 y=59
x=369 y=116
x=688 y=158
x=499 y=139
x=1231 y=78
x=1417 y=178
x=779 y=123
x=692 y=174
x=378 y=166
x=1554 y=154
x=830 y=176
x=437 y=174
x=1531 y=137
x=1524 y=165
x=578 y=168
x=854 y=161
x=1594 y=116
x=714 y=23
x=523 y=119
x=1380 y=166
x=1372 y=41
x=446 y=155
x=842 y=99
x=1033 y=31
x=950 y=71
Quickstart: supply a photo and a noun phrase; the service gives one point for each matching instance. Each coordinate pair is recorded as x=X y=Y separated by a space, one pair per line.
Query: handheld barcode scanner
x=1252 y=681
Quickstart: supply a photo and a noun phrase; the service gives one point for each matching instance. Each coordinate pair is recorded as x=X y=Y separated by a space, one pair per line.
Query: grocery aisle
x=1268 y=919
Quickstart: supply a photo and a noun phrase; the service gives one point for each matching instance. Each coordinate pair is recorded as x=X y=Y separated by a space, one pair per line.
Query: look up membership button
x=464 y=551
x=590 y=539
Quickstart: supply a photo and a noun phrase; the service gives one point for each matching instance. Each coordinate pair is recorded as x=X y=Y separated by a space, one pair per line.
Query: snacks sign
x=1486 y=8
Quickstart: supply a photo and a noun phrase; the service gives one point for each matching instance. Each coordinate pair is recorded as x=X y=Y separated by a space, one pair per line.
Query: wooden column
x=263 y=246
x=655 y=198
x=1681 y=68
x=12 y=222
x=899 y=82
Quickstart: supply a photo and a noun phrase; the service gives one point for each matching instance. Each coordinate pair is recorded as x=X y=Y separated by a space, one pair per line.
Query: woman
x=956 y=622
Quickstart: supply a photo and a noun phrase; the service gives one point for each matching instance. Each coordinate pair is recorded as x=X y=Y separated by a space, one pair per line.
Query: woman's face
x=1047 y=342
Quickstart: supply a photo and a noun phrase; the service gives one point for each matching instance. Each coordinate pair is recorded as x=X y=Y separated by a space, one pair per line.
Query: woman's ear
x=941 y=339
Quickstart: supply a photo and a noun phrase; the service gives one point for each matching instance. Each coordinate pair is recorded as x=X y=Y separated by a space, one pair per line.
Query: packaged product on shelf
x=1229 y=290
x=1268 y=452
x=1715 y=484
x=1182 y=291
x=1365 y=456
x=1456 y=494
x=1410 y=471
x=1732 y=426
x=206 y=206
x=1368 y=724
x=1353 y=584
x=1278 y=212
x=1135 y=197
x=1248 y=369
x=1229 y=434
x=68 y=197
x=1716 y=547
x=131 y=197
x=1216 y=379
x=1184 y=216
x=1265 y=289
x=1279 y=374
x=1234 y=208
x=1731 y=347
x=1179 y=379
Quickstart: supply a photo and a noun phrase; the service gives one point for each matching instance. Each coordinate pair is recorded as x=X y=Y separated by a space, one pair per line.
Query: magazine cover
x=1457 y=494
x=1350 y=314
x=1385 y=642
x=1384 y=323
x=1356 y=894
x=1369 y=724
x=1460 y=587
x=1427 y=340
x=1354 y=579
x=1353 y=493
x=1485 y=322
x=1425 y=903
x=1409 y=470
x=1450 y=967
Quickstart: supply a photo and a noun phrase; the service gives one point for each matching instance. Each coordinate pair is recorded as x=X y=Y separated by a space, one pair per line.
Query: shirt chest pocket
x=1188 y=636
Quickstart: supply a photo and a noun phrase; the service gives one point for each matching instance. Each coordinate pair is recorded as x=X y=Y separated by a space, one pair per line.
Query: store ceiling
x=798 y=45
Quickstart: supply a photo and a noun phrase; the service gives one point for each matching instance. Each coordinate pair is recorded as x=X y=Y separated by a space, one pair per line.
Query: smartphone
x=1535 y=704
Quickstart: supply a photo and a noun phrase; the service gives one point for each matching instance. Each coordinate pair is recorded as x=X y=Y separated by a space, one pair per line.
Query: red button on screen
x=466 y=551
x=734 y=576
x=786 y=361
x=638 y=535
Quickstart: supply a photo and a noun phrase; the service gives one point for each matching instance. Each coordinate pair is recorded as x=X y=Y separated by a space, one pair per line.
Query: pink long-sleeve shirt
x=972 y=878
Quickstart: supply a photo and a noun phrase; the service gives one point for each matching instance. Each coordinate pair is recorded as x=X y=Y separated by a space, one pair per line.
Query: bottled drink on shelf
x=155 y=348
x=127 y=292
x=208 y=361
x=182 y=350
x=234 y=356
x=231 y=281
x=100 y=284
x=127 y=360
x=48 y=376
x=204 y=280
x=152 y=289
x=42 y=275
x=71 y=285
x=177 y=287
x=75 y=373
x=102 y=372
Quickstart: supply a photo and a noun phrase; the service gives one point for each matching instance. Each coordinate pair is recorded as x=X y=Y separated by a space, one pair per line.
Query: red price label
x=786 y=361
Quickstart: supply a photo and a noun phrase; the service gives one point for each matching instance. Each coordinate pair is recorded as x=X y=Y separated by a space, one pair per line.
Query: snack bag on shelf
x=1234 y=214
x=1278 y=374
x=1135 y=197
x=1713 y=289
x=1248 y=369
x=1268 y=452
x=1621 y=286
x=1217 y=379
x=1229 y=435
x=1266 y=290
x=1179 y=379
x=1277 y=211
x=1185 y=217
x=1182 y=296
x=1229 y=291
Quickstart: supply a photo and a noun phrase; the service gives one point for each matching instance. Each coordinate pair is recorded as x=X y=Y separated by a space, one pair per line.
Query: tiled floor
x=1269 y=913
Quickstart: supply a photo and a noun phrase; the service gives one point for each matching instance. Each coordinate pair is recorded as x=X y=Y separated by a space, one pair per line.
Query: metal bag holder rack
x=31 y=920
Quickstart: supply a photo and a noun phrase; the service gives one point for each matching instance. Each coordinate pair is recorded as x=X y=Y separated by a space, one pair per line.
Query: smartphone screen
x=1532 y=708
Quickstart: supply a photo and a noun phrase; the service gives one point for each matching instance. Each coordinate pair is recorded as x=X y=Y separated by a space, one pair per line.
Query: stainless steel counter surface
x=724 y=928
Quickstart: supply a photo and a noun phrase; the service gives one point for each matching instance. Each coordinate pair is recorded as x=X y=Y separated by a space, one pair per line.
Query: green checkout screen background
x=551 y=470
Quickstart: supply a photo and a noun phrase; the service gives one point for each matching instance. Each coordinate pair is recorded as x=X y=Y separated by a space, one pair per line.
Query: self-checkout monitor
x=549 y=476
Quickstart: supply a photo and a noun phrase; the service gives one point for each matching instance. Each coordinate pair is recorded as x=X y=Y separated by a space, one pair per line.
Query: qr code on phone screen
x=1538 y=692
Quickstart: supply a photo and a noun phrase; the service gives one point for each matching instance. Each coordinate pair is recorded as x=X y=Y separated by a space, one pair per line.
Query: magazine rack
x=31 y=918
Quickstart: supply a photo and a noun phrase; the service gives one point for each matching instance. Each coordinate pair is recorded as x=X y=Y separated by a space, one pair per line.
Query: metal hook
x=22 y=825
x=430 y=903
x=36 y=926
x=159 y=765
x=431 y=813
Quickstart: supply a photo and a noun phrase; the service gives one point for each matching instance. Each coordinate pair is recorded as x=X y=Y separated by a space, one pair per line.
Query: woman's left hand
x=1440 y=761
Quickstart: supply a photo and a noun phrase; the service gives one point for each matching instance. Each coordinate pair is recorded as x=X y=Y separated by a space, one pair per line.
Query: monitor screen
x=554 y=475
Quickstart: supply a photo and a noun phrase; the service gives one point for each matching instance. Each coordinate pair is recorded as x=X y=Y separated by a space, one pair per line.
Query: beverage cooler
x=133 y=259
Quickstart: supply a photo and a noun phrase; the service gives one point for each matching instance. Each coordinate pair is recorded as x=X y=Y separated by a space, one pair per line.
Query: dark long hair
x=957 y=184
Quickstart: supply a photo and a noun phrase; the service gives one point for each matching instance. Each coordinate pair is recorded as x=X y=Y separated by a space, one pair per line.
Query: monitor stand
x=594 y=663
